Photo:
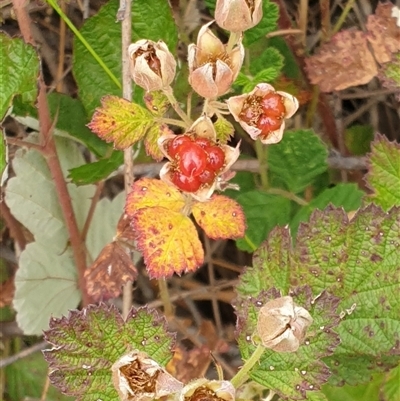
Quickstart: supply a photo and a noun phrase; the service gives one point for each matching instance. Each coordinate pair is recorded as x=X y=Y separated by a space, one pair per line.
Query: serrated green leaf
x=88 y=342
x=224 y=130
x=151 y=19
x=3 y=158
x=357 y=261
x=266 y=75
x=298 y=159
x=270 y=59
x=390 y=389
x=263 y=212
x=292 y=375
x=96 y=171
x=45 y=286
x=383 y=175
x=243 y=80
x=290 y=68
x=346 y=195
x=19 y=69
x=266 y=25
x=25 y=379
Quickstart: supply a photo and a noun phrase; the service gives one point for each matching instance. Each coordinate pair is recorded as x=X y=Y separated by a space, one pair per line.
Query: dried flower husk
x=201 y=128
x=137 y=377
x=152 y=64
x=212 y=68
x=238 y=15
x=210 y=390
x=236 y=105
x=282 y=325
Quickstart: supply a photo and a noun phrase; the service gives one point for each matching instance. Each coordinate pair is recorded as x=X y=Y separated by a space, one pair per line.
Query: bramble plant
x=319 y=307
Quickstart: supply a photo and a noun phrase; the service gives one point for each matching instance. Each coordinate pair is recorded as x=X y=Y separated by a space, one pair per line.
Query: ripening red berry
x=268 y=124
x=203 y=142
x=185 y=183
x=207 y=176
x=249 y=114
x=216 y=157
x=192 y=159
x=272 y=105
x=175 y=144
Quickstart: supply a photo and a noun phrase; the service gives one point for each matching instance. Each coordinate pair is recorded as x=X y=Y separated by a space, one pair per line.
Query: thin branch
x=23 y=354
x=49 y=151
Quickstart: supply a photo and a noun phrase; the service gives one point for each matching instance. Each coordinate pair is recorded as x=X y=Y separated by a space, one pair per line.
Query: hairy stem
x=165 y=298
x=243 y=373
x=174 y=103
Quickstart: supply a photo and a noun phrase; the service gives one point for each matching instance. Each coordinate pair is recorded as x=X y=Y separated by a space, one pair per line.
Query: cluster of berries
x=265 y=113
x=195 y=161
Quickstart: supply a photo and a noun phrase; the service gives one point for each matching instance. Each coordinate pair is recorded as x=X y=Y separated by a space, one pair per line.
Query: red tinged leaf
x=124 y=229
x=168 y=241
x=125 y=123
x=220 y=217
x=110 y=271
x=148 y=193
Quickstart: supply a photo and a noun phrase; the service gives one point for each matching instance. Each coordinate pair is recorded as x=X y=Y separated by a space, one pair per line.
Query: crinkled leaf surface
x=344 y=194
x=151 y=19
x=297 y=160
x=266 y=25
x=384 y=172
x=168 y=241
x=271 y=58
x=263 y=212
x=357 y=261
x=220 y=217
x=19 y=68
x=125 y=123
x=45 y=286
x=88 y=342
x=292 y=375
x=148 y=192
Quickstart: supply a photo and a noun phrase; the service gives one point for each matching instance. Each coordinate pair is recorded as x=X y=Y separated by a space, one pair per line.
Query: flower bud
x=282 y=325
x=238 y=15
x=152 y=65
x=198 y=163
x=210 y=390
x=137 y=377
x=213 y=69
x=262 y=112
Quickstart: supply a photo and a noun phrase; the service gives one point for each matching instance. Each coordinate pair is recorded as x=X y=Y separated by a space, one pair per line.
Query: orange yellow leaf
x=150 y=142
x=149 y=192
x=156 y=102
x=121 y=122
x=168 y=241
x=220 y=217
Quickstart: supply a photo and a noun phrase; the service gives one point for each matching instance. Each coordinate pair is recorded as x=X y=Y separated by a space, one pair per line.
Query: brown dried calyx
x=137 y=377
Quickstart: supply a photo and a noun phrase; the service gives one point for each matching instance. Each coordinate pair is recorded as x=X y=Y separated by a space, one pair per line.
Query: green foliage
x=346 y=195
x=358 y=139
x=151 y=19
x=46 y=282
x=356 y=261
x=26 y=378
x=3 y=157
x=384 y=172
x=263 y=212
x=297 y=160
x=88 y=342
x=93 y=172
x=19 y=69
x=266 y=25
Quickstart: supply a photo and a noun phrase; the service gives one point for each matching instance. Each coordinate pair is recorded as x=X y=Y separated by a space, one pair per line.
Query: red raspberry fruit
x=272 y=105
x=216 y=157
x=267 y=124
x=185 y=183
x=192 y=159
x=175 y=144
x=207 y=176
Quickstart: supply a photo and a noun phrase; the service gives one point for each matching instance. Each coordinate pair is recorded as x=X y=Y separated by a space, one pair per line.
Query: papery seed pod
x=282 y=325
x=238 y=15
x=198 y=164
x=262 y=112
x=208 y=390
x=137 y=377
x=212 y=68
x=152 y=64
